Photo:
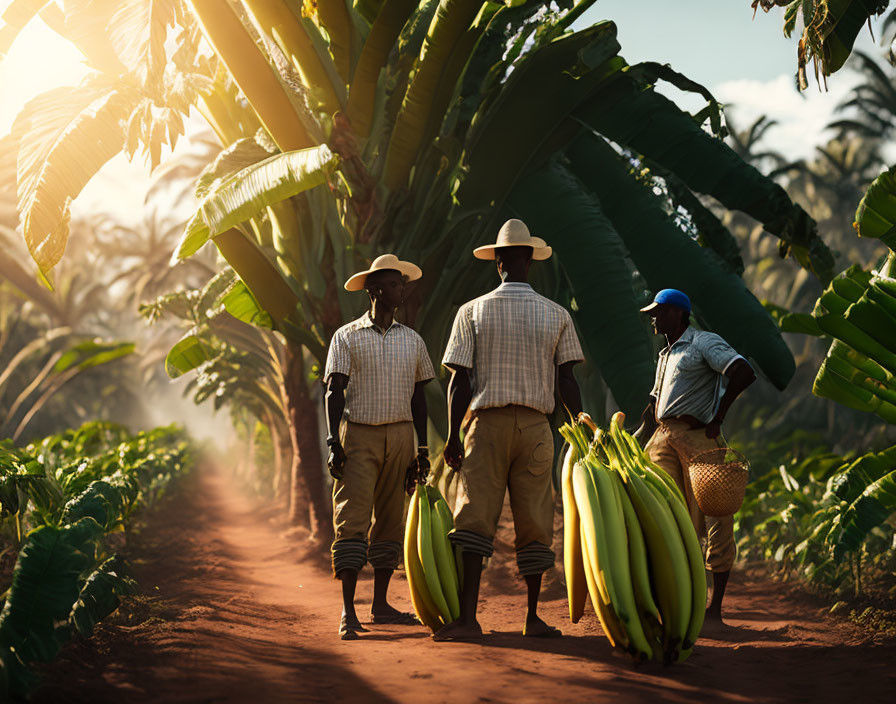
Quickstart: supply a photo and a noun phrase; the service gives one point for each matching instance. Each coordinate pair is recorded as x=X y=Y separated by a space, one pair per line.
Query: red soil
x=233 y=612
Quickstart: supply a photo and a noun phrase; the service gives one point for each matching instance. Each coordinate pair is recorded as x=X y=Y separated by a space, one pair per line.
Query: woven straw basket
x=719 y=480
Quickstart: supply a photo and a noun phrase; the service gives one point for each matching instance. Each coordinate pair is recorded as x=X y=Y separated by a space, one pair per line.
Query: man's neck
x=674 y=337
x=381 y=315
x=515 y=277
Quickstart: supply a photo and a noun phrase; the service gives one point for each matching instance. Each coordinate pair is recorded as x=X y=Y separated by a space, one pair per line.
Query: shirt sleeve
x=339 y=359
x=425 y=372
x=568 y=347
x=462 y=343
x=717 y=353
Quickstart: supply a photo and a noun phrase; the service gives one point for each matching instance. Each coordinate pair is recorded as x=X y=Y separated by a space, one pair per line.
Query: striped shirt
x=512 y=340
x=382 y=368
x=690 y=375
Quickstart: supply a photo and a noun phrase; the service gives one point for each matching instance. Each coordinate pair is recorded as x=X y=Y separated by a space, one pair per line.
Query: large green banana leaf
x=636 y=116
x=668 y=258
x=504 y=136
x=249 y=191
x=876 y=214
x=65 y=135
x=558 y=208
x=382 y=37
x=452 y=19
x=849 y=483
x=876 y=504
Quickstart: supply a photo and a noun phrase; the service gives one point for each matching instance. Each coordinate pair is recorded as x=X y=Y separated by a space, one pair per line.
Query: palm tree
x=428 y=123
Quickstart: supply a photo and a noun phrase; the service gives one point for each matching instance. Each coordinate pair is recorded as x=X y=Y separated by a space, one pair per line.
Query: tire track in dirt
x=231 y=613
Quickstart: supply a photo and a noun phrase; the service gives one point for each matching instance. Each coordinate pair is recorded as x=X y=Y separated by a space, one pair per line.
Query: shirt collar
x=366 y=321
x=687 y=337
x=514 y=286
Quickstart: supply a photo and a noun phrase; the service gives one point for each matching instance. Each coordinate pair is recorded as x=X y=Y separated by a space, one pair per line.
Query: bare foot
x=536 y=628
x=389 y=615
x=713 y=625
x=349 y=627
x=458 y=631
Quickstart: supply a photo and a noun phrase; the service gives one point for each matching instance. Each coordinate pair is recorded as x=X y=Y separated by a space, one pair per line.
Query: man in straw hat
x=375 y=373
x=698 y=376
x=504 y=354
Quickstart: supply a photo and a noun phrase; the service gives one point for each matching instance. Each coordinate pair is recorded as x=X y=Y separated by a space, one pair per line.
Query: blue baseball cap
x=672 y=296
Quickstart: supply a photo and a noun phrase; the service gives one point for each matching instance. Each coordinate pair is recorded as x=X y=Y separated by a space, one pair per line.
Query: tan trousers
x=671 y=447
x=372 y=484
x=508 y=448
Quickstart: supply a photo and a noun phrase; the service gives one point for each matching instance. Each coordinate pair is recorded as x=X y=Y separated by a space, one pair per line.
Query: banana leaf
x=249 y=191
x=562 y=74
x=17 y=14
x=636 y=116
x=876 y=214
x=876 y=504
x=849 y=483
x=667 y=258
x=100 y=594
x=557 y=208
x=187 y=354
x=65 y=136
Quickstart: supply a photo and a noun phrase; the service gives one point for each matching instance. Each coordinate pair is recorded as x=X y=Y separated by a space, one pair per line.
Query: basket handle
x=727 y=449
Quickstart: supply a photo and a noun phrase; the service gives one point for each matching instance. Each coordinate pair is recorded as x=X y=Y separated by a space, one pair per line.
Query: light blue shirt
x=690 y=375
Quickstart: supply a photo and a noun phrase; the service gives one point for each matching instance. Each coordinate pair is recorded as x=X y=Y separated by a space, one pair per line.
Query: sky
x=747 y=64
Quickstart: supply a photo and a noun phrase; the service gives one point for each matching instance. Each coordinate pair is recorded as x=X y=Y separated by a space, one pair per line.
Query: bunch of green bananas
x=429 y=559
x=629 y=543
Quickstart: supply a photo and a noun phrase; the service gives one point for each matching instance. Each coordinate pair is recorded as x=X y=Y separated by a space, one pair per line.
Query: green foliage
x=819 y=516
x=72 y=490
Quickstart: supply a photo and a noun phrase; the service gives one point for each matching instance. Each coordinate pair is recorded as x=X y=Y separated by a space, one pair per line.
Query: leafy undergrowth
x=65 y=504
x=820 y=519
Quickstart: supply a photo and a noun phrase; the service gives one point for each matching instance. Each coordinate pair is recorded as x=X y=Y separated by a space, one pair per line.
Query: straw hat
x=383 y=263
x=514 y=233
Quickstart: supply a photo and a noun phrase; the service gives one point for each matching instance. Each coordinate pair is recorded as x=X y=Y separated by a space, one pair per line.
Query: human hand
x=714 y=428
x=454 y=453
x=336 y=459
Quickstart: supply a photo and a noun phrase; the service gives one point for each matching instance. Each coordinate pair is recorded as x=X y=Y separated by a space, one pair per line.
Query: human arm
x=460 y=393
x=568 y=387
x=740 y=375
x=334 y=401
x=648 y=423
x=419 y=467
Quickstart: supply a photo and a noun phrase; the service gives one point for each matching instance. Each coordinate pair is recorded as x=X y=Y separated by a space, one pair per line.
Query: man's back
x=512 y=339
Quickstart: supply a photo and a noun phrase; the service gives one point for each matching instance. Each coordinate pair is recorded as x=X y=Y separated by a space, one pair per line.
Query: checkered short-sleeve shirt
x=382 y=368
x=512 y=340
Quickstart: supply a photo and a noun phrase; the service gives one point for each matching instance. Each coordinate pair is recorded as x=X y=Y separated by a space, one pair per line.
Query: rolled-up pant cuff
x=349 y=554
x=384 y=554
x=468 y=541
x=534 y=558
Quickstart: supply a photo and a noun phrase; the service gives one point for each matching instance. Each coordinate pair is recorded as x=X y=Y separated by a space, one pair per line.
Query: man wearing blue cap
x=698 y=376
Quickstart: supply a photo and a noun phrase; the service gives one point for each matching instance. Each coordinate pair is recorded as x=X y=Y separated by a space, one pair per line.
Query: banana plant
x=830 y=28
x=386 y=126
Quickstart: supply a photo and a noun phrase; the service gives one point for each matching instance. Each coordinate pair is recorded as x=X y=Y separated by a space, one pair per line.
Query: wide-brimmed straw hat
x=384 y=262
x=514 y=233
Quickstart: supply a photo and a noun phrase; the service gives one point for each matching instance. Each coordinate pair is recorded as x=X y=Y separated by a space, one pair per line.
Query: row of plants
x=63 y=500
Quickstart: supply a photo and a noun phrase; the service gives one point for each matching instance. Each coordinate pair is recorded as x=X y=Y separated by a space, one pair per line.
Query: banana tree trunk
x=308 y=502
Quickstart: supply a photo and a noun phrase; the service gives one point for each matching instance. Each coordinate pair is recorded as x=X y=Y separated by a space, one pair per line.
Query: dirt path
x=233 y=616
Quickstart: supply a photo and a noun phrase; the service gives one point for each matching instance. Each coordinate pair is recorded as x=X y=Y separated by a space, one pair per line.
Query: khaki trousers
x=372 y=485
x=508 y=448
x=671 y=447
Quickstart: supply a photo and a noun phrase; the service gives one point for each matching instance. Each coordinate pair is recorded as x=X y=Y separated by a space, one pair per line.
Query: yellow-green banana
x=573 y=564
x=427 y=555
x=444 y=556
x=423 y=606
